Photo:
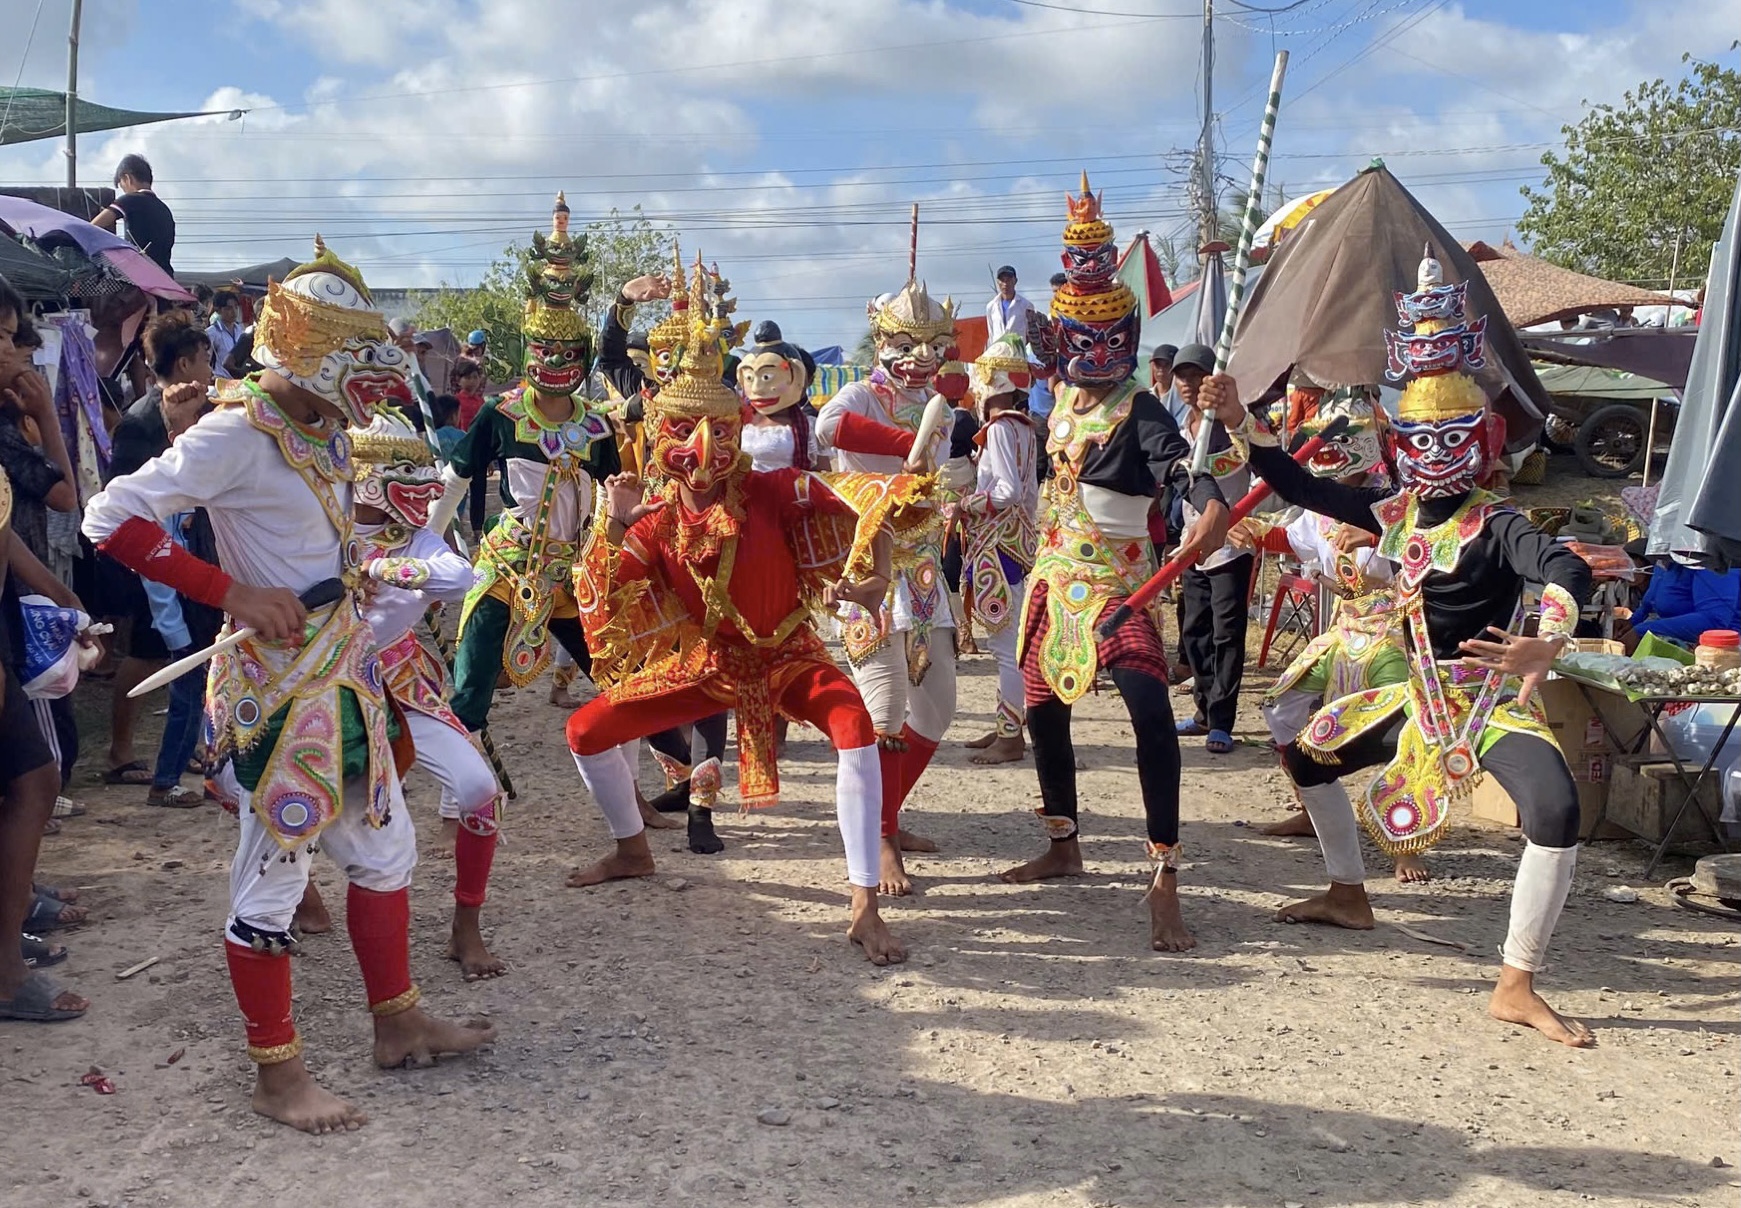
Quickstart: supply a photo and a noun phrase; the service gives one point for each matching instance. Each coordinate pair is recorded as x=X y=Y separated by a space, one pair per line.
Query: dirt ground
x=708 y=1036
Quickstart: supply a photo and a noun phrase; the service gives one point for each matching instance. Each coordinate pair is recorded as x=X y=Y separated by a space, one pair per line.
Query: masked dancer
x=1468 y=706
x=297 y=708
x=1113 y=447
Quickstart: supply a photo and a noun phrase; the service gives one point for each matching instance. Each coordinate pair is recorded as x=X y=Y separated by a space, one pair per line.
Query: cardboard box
x=1645 y=796
x=1583 y=733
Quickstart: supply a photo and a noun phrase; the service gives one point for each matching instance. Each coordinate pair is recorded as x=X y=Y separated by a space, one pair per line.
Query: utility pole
x=1206 y=219
x=72 y=98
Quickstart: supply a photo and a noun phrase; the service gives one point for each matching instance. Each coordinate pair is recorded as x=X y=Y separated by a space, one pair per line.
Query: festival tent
x=1698 y=508
x=27 y=114
x=830 y=378
x=1533 y=291
x=253 y=277
x=1663 y=354
x=1279 y=224
x=1140 y=269
x=1327 y=297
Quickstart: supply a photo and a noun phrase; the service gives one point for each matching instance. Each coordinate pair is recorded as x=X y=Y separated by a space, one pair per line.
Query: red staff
x=1164 y=578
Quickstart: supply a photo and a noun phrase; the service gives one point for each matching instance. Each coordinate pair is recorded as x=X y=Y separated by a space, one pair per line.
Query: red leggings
x=818 y=693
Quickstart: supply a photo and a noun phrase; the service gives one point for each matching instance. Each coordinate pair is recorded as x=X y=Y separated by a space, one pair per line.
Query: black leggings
x=1531 y=770
x=1157 y=752
x=707 y=741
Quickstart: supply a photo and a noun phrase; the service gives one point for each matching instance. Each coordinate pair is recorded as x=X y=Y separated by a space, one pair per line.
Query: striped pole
x=1242 y=256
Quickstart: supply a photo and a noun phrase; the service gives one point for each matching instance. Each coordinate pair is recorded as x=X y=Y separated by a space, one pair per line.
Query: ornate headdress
x=666 y=338
x=698 y=390
x=913 y=333
x=1095 y=312
x=396 y=472
x=558 y=342
x=1444 y=436
x=320 y=330
x=1002 y=368
x=912 y=312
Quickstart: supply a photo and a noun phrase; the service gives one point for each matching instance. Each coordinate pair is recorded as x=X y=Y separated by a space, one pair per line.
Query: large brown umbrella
x=1326 y=299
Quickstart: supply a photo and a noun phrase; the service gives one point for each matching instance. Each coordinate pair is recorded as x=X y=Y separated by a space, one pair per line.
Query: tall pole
x=1206 y=225
x=72 y=97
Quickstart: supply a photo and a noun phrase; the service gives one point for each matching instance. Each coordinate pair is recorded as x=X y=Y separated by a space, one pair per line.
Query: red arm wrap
x=1275 y=541
x=142 y=546
x=861 y=434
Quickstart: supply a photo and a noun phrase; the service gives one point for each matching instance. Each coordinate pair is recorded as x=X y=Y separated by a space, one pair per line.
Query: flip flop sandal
x=45 y=914
x=66 y=807
x=128 y=773
x=69 y=896
x=1219 y=742
x=177 y=798
x=1190 y=729
x=34 y=1002
x=51 y=827
x=39 y=953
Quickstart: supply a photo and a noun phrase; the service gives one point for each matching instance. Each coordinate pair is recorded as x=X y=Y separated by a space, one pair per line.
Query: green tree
x=1639 y=177
x=620 y=247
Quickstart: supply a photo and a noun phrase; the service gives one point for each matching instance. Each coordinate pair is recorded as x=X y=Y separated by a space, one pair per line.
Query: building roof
x=1532 y=290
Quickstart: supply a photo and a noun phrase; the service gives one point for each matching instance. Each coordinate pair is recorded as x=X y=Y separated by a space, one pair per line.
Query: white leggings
x=892 y=700
x=858 y=795
x=1002 y=645
x=266 y=883
x=468 y=783
x=1288 y=714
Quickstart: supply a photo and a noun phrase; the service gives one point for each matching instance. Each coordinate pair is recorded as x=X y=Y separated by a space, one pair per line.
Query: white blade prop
x=327 y=591
x=936 y=412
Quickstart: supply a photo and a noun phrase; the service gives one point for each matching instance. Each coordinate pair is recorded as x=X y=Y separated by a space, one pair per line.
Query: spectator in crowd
x=240 y=362
x=477 y=347
x=1161 y=377
x=177 y=352
x=1007 y=310
x=445 y=408
x=468 y=389
x=184 y=625
x=150 y=225
x=226 y=325
x=1213 y=616
x=1683 y=601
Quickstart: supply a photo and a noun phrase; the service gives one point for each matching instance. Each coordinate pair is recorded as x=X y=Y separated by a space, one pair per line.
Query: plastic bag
x=51 y=654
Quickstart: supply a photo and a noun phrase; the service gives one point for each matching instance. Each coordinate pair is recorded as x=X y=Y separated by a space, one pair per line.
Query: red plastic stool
x=1298 y=596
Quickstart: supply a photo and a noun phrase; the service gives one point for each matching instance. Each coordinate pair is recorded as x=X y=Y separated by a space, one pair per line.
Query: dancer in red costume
x=679 y=632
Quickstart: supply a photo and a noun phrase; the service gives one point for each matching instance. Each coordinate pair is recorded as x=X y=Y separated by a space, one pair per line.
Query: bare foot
x=1515 y=1001
x=413 y=1038
x=869 y=931
x=449 y=836
x=1297 y=825
x=982 y=742
x=311 y=917
x=651 y=818
x=466 y=945
x=1000 y=750
x=895 y=882
x=1412 y=870
x=286 y=1092
x=912 y=842
x=559 y=696
x=1062 y=859
x=633 y=858
x=1167 y=930
x=1339 y=906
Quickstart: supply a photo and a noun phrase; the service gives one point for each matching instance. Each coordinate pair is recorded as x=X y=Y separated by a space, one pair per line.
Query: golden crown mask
x=912 y=312
x=548 y=323
x=325 y=262
x=1114 y=302
x=673 y=329
x=302 y=332
x=378 y=445
x=697 y=392
x=1086 y=227
x=1003 y=355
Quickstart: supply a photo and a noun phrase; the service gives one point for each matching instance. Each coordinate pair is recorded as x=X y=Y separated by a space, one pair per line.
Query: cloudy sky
x=787 y=138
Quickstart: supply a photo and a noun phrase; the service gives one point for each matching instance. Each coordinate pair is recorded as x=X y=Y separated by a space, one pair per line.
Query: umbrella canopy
x=254 y=275
x=33 y=113
x=1275 y=228
x=1698 y=509
x=1211 y=309
x=1533 y=291
x=1326 y=298
x=38 y=277
x=51 y=229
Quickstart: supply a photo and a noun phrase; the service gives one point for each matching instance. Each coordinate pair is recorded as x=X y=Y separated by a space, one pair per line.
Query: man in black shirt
x=150 y=225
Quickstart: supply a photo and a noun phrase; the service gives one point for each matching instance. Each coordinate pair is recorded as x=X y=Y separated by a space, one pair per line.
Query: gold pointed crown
x=1086 y=227
x=913 y=312
x=698 y=391
x=673 y=329
x=303 y=320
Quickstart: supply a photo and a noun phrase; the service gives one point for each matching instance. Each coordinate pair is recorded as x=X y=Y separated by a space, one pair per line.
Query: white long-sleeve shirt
x=270 y=529
x=1007 y=472
x=396 y=610
x=1002 y=316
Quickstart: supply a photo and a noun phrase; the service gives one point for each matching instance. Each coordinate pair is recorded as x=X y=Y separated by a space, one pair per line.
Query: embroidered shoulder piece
x=1418 y=551
x=556 y=440
x=1069 y=435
